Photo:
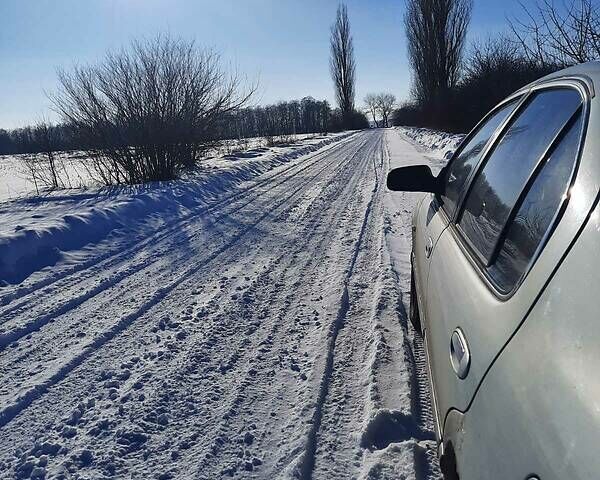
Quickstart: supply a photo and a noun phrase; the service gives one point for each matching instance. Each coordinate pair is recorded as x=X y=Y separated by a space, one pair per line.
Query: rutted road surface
x=265 y=336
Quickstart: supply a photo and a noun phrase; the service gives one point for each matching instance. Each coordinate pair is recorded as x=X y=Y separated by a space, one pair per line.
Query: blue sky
x=283 y=43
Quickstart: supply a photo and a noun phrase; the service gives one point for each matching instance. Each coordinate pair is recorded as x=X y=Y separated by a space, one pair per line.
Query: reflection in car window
x=534 y=217
x=468 y=158
x=498 y=185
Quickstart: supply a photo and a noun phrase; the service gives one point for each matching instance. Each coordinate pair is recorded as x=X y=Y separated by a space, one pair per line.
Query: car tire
x=413 y=315
x=448 y=464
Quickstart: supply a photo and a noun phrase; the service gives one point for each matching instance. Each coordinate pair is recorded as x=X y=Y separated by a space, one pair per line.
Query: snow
x=249 y=321
x=39 y=231
x=13 y=181
x=16 y=183
x=73 y=174
x=438 y=145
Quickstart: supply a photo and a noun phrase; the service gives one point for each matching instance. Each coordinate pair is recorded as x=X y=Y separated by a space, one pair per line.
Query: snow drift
x=440 y=144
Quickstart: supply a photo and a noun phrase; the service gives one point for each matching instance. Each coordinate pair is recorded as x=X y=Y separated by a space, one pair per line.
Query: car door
x=431 y=219
x=479 y=286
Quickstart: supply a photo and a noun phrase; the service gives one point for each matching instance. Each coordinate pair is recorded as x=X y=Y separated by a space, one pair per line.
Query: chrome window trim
x=500 y=129
x=483 y=259
x=492 y=142
x=582 y=78
x=465 y=244
x=526 y=187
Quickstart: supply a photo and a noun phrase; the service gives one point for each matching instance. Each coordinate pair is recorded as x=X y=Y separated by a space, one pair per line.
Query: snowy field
x=16 y=181
x=249 y=321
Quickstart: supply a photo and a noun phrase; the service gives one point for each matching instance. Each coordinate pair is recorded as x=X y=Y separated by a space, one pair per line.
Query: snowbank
x=440 y=144
x=36 y=231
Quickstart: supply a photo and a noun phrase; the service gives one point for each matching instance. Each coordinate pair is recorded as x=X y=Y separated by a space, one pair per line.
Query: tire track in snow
x=248 y=374
x=124 y=300
x=305 y=468
x=349 y=429
x=333 y=164
x=11 y=411
x=6 y=338
x=387 y=417
x=218 y=447
x=244 y=377
x=163 y=232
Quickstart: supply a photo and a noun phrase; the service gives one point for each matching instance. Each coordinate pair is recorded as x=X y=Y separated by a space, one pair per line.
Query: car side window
x=505 y=172
x=525 y=234
x=467 y=159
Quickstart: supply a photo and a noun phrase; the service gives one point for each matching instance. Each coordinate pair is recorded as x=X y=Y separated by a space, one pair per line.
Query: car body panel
x=539 y=406
x=428 y=225
x=457 y=294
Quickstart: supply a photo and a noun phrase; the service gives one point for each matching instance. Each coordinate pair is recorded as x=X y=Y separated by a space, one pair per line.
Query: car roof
x=589 y=72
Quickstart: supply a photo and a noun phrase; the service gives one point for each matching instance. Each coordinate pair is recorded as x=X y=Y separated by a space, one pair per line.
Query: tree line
x=34 y=139
x=282 y=119
x=454 y=85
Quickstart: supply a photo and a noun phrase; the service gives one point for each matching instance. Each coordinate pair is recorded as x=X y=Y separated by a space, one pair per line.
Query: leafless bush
x=489 y=56
x=41 y=167
x=270 y=140
x=47 y=141
x=31 y=167
x=243 y=144
x=564 y=34
x=148 y=111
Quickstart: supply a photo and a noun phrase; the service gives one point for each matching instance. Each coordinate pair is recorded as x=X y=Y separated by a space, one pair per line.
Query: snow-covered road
x=262 y=336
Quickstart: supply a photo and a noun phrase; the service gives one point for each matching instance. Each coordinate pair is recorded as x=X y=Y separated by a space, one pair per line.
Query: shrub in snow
x=148 y=111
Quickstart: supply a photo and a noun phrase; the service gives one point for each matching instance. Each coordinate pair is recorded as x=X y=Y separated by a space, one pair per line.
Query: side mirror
x=416 y=178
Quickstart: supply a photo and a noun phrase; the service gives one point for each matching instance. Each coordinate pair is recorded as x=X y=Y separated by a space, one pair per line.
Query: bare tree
x=372 y=103
x=563 y=34
x=148 y=111
x=435 y=31
x=487 y=57
x=385 y=107
x=342 y=64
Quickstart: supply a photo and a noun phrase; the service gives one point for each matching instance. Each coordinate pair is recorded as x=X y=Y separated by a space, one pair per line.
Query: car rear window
x=524 y=236
x=505 y=173
x=470 y=153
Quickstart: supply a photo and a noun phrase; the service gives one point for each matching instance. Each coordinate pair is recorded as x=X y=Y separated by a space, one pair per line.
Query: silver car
x=506 y=286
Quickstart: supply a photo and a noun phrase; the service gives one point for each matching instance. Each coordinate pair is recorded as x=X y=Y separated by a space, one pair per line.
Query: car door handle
x=460 y=356
x=428 y=247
